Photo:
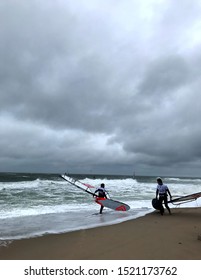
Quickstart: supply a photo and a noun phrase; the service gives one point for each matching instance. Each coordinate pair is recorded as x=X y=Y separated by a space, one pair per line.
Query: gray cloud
x=102 y=86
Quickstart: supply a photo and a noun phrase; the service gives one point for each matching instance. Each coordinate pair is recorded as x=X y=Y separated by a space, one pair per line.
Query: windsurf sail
x=78 y=184
x=185 y=199
x=107 y=202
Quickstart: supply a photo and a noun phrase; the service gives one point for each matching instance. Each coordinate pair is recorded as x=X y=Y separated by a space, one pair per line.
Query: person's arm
x=169 y=193
x=95 y=192
x=156 y=193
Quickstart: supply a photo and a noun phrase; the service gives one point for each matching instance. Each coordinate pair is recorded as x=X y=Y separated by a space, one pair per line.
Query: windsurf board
x=115 y=205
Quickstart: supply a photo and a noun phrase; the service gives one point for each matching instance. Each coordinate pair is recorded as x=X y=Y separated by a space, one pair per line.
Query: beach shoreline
x=151 y=237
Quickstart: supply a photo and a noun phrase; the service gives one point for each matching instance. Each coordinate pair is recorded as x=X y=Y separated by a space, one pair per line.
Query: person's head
x=102 y=185
x=159 y=181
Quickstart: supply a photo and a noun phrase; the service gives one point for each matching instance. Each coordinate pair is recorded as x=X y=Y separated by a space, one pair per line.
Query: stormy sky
x=100 y=86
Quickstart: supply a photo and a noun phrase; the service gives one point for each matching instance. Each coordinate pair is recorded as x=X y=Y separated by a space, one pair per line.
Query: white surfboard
x=115 y=205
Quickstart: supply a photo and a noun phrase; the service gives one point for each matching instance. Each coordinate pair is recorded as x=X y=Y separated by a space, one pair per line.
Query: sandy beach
x=152 y=237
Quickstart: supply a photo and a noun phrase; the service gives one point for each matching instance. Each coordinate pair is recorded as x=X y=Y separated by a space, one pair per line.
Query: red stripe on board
x=121 y=208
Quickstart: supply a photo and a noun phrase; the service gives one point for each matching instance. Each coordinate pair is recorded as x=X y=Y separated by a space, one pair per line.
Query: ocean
x=38 y=204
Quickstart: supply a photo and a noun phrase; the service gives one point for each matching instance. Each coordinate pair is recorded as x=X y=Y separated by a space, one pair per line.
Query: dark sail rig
x=185 y=198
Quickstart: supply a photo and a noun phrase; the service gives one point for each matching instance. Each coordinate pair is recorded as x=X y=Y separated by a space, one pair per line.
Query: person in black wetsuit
x=101 y=192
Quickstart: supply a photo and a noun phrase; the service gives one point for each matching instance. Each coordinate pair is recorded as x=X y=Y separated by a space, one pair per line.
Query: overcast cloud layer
x=100 y=86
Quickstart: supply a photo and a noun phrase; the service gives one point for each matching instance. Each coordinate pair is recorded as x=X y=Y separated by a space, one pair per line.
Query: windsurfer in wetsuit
x=162 y=191
x=101 y=195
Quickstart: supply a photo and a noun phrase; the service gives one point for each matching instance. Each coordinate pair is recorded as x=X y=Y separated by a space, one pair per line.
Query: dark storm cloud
x=100 y=87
